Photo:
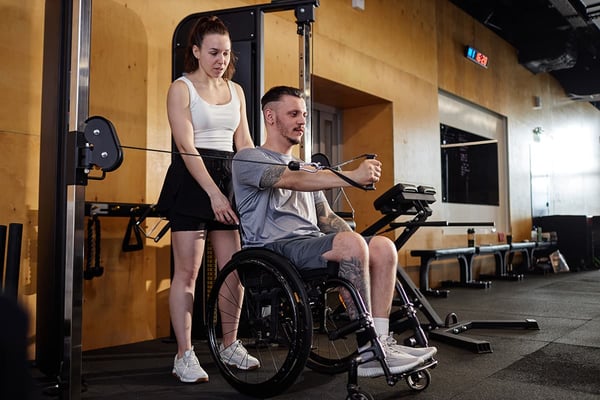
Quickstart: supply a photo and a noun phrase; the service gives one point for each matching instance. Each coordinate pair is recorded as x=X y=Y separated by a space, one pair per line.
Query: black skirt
x=182 y=194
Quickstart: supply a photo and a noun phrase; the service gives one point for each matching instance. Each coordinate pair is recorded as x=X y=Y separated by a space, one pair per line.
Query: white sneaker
x=397 y=361
x=424 y=352
x=236 y=355
x=188 y=369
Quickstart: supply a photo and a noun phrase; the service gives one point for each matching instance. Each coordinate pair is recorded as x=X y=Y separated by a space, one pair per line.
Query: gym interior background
x=384 y=68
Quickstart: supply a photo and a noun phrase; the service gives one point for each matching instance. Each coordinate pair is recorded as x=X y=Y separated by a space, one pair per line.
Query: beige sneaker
x=237 y=356
x=188 y=369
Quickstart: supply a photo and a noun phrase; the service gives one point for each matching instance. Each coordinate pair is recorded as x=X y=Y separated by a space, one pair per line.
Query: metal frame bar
x=305 y=59
x=75 y=200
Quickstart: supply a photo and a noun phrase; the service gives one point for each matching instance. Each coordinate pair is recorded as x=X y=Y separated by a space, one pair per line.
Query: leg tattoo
x=353 y=270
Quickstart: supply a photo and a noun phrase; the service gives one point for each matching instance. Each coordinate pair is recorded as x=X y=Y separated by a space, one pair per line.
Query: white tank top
x=214 y=124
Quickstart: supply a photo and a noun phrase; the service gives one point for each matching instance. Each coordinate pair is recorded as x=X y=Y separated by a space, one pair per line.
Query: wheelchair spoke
x=327 y=356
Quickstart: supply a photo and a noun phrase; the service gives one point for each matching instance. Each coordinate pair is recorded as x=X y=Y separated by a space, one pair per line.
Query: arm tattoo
x=353 y=270
x=271 y=176
x=330 y=222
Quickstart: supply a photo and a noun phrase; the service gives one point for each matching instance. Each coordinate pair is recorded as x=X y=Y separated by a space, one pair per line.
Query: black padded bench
x=525 y=249
x=503 y=254
x=528 y=251
x=500 y=252
x=464 y=255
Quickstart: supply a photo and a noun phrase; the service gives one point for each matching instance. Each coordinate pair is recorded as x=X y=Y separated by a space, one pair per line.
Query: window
x=469 y=167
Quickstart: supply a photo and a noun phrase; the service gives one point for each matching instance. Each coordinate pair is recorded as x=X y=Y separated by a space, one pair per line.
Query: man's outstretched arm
x=279 y=176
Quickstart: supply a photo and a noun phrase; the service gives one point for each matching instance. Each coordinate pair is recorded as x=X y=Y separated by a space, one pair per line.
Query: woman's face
x=214 y=54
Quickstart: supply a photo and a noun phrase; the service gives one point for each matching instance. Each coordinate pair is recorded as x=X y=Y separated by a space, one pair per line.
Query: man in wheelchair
x=285 y=211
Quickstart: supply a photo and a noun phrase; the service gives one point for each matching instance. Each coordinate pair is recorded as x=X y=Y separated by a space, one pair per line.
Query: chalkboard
x=469 y=167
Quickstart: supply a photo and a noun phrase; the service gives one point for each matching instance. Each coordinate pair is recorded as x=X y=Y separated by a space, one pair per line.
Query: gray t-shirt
x=268 y=214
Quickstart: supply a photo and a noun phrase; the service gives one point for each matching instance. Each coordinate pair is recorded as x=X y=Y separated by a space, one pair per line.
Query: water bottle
x=471 y=237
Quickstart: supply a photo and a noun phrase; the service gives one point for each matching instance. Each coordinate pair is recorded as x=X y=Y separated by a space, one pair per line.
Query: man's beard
x=291 y=139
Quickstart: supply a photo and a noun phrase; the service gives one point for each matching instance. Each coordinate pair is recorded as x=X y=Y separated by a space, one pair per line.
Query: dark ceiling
x=561 y=37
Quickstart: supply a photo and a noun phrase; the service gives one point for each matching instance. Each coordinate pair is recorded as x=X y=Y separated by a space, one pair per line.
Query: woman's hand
x=222 y=209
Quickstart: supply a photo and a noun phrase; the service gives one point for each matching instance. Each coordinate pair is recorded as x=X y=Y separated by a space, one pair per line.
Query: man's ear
x=269 y=116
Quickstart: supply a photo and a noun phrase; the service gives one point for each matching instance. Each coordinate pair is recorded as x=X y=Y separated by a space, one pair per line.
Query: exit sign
x=476 y=56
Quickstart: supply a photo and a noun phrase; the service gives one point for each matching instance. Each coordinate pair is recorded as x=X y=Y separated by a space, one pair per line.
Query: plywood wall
x=401 y=52
x=21 y=30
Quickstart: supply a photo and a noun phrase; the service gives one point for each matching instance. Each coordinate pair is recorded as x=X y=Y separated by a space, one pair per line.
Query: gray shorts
x=305 y=251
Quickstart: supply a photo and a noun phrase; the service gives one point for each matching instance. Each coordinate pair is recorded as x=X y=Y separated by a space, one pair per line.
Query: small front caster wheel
x=418 y=381
x=359 y=395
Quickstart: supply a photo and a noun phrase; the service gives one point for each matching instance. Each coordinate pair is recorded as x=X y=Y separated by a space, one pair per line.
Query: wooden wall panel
x=21 y=32
x=119 y=306
x=400 y=34
x=118 y=91
x=368 y=130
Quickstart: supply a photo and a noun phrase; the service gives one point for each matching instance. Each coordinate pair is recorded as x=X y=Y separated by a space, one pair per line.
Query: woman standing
x=207 y=115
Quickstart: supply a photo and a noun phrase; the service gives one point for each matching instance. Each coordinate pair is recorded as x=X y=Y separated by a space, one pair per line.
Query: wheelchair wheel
x=359 y=395
x=419 y=381
x=274 y=321
x=330 y=356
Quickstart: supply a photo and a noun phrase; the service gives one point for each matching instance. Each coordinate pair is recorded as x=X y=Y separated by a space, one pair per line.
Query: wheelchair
x=292 y=319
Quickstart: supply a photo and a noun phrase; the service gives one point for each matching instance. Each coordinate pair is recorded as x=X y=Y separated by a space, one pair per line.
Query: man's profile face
x=290 y=118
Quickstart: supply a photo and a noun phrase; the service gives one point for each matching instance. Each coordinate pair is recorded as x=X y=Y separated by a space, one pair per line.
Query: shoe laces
x=389 y=343
x=240 y=349
x=236 y=348
x=190 y=359
x=388 y=339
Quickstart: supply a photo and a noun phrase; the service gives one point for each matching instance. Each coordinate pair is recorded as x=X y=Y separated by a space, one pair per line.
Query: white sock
x=382 y=326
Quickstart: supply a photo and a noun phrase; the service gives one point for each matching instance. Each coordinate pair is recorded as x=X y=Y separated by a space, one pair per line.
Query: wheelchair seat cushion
x=331 y=270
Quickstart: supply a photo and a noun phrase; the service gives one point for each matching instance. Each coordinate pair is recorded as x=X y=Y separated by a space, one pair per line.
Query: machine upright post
x=75 y=200
x=304 y=19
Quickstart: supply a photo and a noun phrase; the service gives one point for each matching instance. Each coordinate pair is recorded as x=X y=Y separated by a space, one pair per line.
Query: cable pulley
x=103 y=147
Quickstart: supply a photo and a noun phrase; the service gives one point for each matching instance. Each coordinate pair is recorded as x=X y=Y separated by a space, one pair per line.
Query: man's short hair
x=277 y=92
